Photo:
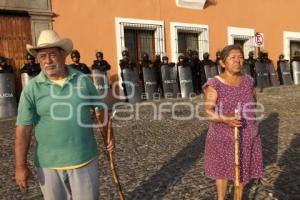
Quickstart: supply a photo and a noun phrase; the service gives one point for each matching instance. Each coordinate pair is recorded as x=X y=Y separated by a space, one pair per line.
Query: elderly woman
x=223 y=94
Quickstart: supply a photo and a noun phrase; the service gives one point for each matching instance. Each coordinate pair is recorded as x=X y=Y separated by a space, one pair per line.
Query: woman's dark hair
x=225 y=52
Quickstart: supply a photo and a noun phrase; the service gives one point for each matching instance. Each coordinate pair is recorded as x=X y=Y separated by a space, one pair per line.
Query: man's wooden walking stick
x=237 y=194
x=107 y=138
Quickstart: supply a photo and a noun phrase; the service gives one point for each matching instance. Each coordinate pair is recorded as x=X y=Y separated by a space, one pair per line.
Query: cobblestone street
x=163 y=159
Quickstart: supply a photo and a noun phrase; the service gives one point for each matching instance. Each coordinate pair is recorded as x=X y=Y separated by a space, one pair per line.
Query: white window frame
x=174 y=34
x=120 y=33
x=287 y=37
x=192 y=4
x=239 y=31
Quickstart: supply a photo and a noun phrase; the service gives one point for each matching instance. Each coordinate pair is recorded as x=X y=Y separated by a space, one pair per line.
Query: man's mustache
x=51 y=65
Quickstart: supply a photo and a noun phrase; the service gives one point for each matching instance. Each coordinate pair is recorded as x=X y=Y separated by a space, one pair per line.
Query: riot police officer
x=144 y=63
x=206 y=61
x=125 y=63
x=4 y=66
x=31 y=68
x=75 y=56
x=218 y=57
x=296 y=57
x=184 y=62
x=169 y=78
x=266 y=57
x=251 y=61
x=100 y=63
x=188 y=55
x=262 y=70
x=165 y=60
x=280 y=60
x=157 y=68
x=99 y=74
x=195 y=68
x=217 y=62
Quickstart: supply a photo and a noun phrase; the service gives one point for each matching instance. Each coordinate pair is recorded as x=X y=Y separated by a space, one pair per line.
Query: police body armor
x=82 y=68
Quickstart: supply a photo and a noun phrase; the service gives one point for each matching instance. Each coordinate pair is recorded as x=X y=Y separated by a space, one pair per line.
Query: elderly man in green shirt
x=56 y=104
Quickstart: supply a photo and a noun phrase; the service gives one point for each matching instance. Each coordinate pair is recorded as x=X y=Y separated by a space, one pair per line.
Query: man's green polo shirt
x=61 y=118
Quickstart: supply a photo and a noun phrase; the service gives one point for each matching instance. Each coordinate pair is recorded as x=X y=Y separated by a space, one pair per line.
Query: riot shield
x=262 y=74
x=132 y=85
x=214 y=70
x=246 y=69
x=150 y=82
x=185 y=80
x=8 y=104
x=169 y=79
x=101 y=82
x=296 y=72
x=25 y=79
x=210 y=71
x=273 y=75
x=220 y=69
x=286 y=73
x=207 y=72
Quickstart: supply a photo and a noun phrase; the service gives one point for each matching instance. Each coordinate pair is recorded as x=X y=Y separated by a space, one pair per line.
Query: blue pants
x=74 y=184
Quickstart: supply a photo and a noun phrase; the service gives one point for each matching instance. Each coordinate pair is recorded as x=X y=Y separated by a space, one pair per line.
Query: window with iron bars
x=246 y=42
x=192 y=38
x=142 y=38
x=187 y=41
x=138 y=42
x=294 y=47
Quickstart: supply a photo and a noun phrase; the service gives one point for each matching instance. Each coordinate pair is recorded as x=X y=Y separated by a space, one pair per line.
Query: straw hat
x=49 y=39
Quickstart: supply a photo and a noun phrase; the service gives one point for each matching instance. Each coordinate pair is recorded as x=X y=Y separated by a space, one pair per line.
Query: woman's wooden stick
x=107 y=138
x=237 y=193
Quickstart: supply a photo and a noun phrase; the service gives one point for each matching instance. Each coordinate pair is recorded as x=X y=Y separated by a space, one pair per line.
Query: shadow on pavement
x=157 y=185
x=287 y=185
x=268 y=129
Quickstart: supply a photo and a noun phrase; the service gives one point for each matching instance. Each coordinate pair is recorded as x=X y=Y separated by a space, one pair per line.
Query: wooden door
x=15 y=33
